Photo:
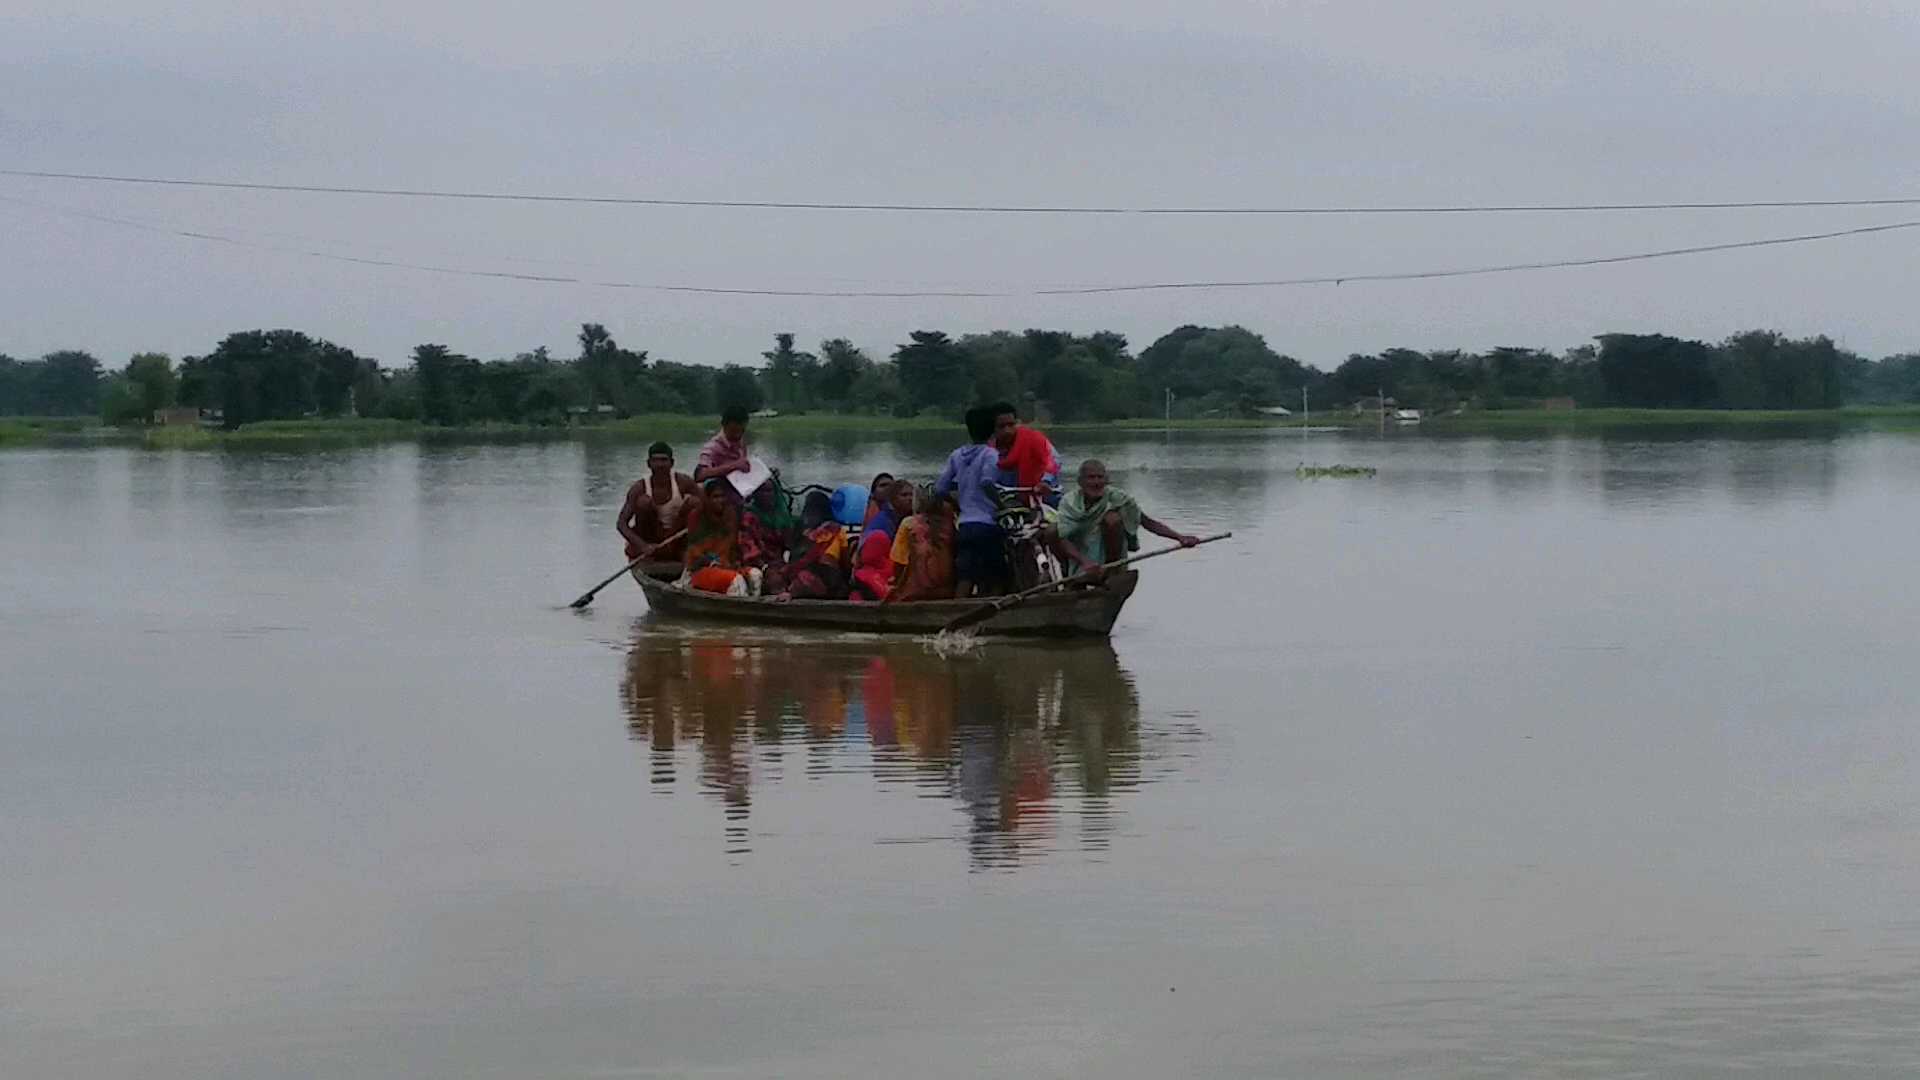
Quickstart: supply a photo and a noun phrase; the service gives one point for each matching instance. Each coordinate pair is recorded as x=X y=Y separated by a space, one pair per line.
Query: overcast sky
x=1072 y=102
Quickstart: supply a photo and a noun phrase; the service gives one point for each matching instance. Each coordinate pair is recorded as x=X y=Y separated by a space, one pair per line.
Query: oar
x=999 y=604
x=587 y=597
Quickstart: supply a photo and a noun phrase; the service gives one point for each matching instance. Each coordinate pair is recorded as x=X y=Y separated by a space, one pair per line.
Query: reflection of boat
x=1087 y=612
x=1010 y=735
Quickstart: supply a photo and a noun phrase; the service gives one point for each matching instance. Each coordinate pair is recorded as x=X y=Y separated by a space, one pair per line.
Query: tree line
x=1190 y=371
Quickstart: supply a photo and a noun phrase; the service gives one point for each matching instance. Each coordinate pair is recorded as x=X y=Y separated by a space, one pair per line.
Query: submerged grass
x=1598 y=419
x=17 y=434
x=320 y=433
x=1334 y=472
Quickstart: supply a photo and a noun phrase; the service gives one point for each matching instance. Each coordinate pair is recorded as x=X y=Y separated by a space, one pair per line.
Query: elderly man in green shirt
x=1099 y=523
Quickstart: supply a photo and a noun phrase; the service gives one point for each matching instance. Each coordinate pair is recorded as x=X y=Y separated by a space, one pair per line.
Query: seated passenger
x=873 y=562
x=923 y=554
x=713 y=560
x=767 y=530
x=726 y=452
x=818 y=568
x=1099 y=523
x=877 y=497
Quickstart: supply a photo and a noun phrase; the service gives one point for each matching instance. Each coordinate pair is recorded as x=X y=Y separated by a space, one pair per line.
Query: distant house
x=1407 y=416
x=1558 y=403
x=1372 y=405
x=1273 y=410
x=181 y=416
x=764 y=414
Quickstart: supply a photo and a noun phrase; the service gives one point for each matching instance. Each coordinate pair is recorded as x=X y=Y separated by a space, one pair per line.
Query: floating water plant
x=1333 y=472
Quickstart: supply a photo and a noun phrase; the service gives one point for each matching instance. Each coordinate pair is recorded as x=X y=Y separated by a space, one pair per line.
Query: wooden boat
x=1069 y=613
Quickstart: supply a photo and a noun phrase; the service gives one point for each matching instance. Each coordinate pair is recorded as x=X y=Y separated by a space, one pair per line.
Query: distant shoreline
x=296 y=434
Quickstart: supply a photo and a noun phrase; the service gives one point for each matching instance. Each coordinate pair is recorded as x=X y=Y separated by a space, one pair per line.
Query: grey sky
x=1072 y=102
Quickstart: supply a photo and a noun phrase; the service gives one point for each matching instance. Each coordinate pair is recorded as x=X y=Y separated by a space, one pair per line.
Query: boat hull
x=1072 y=613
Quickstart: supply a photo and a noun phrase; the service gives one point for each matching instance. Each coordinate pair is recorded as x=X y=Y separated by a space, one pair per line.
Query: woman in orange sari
x=923 y=554
x=713 y=562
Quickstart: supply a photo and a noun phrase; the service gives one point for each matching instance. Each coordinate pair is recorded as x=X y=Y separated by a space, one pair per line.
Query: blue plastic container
x=850 y=504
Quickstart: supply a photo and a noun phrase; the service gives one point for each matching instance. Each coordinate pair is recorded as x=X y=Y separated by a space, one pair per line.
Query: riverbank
x=1879 y=417
x=299 y=434
x=294 y=434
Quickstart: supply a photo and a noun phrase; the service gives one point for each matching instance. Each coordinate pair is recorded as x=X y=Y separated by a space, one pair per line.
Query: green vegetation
x=682 y=428
x=1193 y=374
x=15 y=434
x=1877 y=416
x=1334 y=472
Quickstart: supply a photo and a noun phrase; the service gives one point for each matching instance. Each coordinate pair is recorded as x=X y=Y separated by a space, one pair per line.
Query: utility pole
x=1169 y=406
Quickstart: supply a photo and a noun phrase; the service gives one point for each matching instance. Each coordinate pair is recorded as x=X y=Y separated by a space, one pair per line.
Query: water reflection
x=1030 y=742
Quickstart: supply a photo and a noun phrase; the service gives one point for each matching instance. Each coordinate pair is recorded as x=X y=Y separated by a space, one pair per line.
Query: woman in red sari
x=873 y=561
x=818 y=569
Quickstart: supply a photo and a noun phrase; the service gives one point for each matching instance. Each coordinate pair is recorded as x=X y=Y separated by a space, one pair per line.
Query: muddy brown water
x=1568 y=756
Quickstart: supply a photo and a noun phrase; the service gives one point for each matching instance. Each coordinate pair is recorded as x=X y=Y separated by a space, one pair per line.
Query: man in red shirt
x=1024 y=452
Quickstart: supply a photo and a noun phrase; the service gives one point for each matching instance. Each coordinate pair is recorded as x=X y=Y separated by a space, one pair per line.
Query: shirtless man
x=656 y=505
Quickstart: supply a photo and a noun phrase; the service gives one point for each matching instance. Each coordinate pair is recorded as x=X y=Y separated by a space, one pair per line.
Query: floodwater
x=1574 y=756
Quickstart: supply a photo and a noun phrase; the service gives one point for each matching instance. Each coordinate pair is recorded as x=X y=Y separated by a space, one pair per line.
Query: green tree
x=16 y=386
x=1071 y=384
x=1894 y=380
x=789 y=374
x=370 y=389
x=1763 y=369
x=1228 y=367
x=272 y=374
x=841 y=366
x=121 y=403
x=877 y=391
x=336 y=371
x=1656 y=371
x=691 y=386
x=198 y=384
x=737 y=384
x=154 y=382
x=1521 y=375
x=552 y=391
x=613 y=375
x=68 y=384
x=447 y=382
x=934 y=373
x=399 y=397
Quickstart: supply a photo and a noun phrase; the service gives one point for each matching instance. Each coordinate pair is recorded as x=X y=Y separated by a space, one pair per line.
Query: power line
x=1501 y=268
x=969 y=208
x=1077 y=290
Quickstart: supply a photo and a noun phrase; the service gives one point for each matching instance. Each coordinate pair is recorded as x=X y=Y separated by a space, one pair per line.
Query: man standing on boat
x=1099 y=523
x=979 y=547
x=656 y=506
x=726 y=452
